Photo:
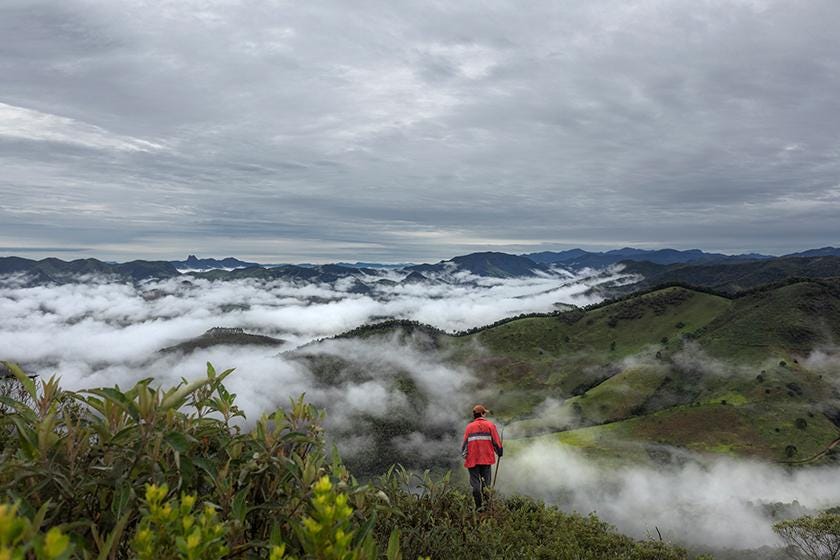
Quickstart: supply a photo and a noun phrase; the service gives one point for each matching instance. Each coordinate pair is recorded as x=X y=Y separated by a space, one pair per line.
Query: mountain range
x=724 y=273
x=578 y=258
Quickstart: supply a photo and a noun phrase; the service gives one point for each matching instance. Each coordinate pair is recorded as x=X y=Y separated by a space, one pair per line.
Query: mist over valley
x=650 y=406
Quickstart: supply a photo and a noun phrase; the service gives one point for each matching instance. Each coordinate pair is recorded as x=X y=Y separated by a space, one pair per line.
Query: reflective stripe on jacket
x=481 y=443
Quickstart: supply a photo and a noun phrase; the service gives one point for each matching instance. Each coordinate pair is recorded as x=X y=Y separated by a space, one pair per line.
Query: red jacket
x=481 y=443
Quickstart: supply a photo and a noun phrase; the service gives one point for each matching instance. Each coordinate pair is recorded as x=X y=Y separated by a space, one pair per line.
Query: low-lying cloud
x=710 y=503
x=106 y=323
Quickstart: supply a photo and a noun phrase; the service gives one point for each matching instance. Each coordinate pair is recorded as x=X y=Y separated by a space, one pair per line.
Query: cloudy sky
x=394 y=131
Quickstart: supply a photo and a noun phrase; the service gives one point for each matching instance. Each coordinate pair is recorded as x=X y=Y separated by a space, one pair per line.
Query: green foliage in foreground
x=148 y=473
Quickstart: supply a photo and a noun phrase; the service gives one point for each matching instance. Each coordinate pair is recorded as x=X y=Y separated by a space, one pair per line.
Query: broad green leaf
x=27 y=382
x=174 y=399
x=393 y=552
x=179 y=441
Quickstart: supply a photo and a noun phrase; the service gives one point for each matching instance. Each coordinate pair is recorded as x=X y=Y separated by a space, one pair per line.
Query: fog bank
x=713 y=502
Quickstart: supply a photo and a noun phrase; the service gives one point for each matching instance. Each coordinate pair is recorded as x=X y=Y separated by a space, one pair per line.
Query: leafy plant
x=812 y=537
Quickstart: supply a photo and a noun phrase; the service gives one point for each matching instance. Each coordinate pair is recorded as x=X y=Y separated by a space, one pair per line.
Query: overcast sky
x=411 y=131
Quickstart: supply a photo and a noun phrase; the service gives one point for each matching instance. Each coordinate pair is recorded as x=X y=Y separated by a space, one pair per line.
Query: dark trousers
x=479 y=480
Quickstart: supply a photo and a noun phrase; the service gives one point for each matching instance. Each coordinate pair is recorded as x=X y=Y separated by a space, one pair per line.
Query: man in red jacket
x=480 y=447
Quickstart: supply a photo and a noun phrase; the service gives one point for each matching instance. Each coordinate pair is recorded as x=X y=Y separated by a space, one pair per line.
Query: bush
x=438 y=520
x=814 y=538
x=87 y=459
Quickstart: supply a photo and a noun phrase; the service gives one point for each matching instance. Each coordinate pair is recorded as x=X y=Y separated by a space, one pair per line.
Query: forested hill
x=733 y=277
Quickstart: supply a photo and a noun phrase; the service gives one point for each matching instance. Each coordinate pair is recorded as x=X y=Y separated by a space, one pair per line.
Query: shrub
x=92 y=454
x=811 y=537
x=437 y=520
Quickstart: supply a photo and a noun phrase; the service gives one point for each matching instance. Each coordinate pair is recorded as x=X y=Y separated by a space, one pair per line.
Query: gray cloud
x=300 y=131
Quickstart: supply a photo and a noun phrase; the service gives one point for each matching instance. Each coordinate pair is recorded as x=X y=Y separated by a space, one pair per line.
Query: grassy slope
x=531 y=359
x=789 y=320
x=634 y=402
x=735 y=277
x=744 y=430
x=673 y=368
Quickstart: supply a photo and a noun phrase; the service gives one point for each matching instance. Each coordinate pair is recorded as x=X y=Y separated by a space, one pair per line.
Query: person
x=480 y=446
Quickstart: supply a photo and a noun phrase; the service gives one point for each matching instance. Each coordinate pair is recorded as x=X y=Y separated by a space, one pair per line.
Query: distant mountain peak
x=194 y=263
x=821 y=252
x=486 y=263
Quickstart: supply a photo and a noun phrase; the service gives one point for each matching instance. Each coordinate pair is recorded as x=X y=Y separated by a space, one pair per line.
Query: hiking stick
x=499 y=462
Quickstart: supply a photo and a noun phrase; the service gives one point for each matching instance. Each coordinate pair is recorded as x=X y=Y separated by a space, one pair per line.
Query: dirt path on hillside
x=819 y=455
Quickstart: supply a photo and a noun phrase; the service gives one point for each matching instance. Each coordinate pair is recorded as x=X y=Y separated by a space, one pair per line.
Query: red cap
x=480 y=409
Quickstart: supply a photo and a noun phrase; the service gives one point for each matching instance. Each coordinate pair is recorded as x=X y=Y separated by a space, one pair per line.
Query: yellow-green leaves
x=277 y=552
x=172 y=529
x=328 y=531
x=156 y=494
x=12 y=527
x=56 y=543
x=21 y=538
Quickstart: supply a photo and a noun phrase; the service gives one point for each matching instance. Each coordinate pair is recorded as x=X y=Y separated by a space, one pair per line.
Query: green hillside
x=791 y=319
x=660 y=373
